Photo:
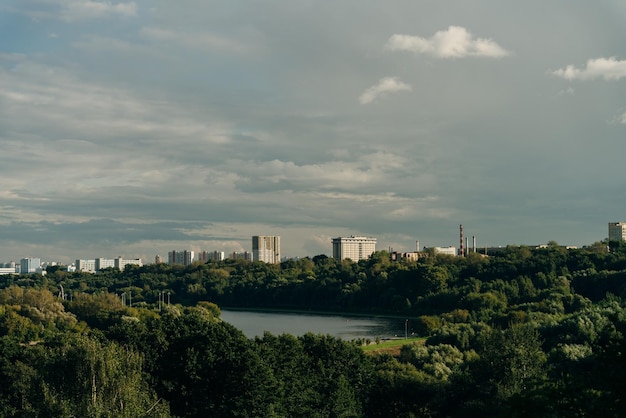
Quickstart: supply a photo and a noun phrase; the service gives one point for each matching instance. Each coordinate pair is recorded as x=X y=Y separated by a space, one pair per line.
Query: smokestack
x=474 y=243
x=461 y=249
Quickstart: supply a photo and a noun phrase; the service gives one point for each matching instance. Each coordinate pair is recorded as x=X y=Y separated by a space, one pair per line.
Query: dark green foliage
x=526 y=332
x=208 y=368
x=510 y=362
x=318 y=376
x=74 y=375
x=400 y=390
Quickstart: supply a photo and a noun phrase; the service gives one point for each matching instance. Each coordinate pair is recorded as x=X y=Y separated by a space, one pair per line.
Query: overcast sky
x=133 y=128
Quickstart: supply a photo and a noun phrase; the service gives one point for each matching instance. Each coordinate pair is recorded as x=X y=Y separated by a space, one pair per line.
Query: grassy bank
x=391 y=346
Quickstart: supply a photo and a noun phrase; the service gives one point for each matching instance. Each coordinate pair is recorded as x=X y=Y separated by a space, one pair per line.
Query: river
x=346 y=327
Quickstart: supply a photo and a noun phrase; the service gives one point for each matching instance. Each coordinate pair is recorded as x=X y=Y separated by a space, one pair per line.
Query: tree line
x=527 y=332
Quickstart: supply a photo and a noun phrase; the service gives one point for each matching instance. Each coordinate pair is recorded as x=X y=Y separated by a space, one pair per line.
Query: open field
x=391 y=346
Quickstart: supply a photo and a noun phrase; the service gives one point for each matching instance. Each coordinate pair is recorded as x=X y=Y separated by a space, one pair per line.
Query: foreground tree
x=208 y=368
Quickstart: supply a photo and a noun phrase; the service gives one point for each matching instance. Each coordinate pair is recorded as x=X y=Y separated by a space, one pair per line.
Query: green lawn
x=392 y=345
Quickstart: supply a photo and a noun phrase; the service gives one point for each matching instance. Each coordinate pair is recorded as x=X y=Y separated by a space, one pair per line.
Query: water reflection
x=254 y=324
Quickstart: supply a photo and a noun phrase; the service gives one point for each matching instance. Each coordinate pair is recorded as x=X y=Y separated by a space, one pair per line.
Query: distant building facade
x=241 y=256
x=206 y=256
x=407 y=256
x=88 y=266
x=121 y=263
x=185 y=257
x=617 y=231
x=445 y=250
x=9 y=268
x=30 y=265
x=354 y=248
x=266 y=248
x=104 y=263
x=101 y=263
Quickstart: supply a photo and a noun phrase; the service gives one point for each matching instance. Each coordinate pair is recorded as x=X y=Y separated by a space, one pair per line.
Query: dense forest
x=524 y=332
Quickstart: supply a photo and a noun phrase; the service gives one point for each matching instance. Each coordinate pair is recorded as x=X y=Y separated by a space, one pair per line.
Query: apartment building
x=354 y=247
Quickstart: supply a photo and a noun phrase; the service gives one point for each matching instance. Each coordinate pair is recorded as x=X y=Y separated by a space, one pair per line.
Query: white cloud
x=455 y=42
x=607 y=68
x=384 y=86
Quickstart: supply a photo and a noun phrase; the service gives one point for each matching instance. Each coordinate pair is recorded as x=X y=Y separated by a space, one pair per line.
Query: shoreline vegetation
x=528 y=332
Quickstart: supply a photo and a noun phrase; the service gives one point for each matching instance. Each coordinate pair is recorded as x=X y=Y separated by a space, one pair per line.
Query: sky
x=134 y=128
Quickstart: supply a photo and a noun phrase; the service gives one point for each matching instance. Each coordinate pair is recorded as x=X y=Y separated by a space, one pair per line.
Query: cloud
x=455 y=42
x=567 y=92
x=196 y=40
x=607 y=68
x=67 y=107
x=77 y=10
x=384 y=86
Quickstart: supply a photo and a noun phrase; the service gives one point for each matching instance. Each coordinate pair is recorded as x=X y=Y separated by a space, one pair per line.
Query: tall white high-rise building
x=266 y=248
x=354 y=248
x=617 y=231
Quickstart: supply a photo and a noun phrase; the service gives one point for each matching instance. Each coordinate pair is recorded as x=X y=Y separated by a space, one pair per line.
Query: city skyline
x=353 y=247
x=138 y=127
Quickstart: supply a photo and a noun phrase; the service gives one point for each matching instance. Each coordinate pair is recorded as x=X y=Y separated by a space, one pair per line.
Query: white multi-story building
x=103 y=263
x=185 y=257
x=88 y=266
x=266 y=248
x=617 y=231
x=354 y=248
x=121 y=263
x=94 y=266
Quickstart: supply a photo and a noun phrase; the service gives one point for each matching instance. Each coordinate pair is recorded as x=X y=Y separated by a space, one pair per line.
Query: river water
x=254 y=324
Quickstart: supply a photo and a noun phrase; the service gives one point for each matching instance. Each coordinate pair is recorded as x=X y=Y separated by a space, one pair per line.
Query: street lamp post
x=406 y=329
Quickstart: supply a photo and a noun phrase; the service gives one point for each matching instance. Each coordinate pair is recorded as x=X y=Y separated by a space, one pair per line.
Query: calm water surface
x=254 y=324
